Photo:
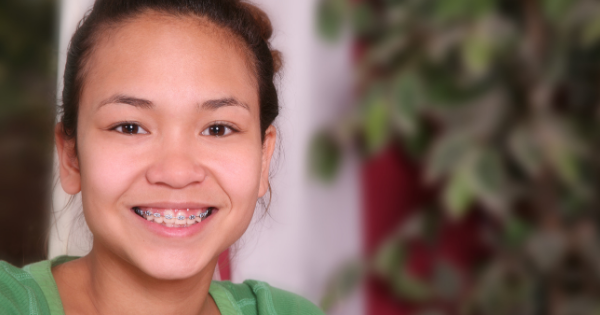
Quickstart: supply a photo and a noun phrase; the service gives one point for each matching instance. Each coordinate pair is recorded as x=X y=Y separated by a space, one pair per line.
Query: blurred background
x=28 y=45
x=436 y=157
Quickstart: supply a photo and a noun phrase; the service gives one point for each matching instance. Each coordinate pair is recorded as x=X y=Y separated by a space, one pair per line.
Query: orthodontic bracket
x=202 y=215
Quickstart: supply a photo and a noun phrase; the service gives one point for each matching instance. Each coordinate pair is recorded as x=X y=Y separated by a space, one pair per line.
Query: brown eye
x=217 y=130
x=130 y=129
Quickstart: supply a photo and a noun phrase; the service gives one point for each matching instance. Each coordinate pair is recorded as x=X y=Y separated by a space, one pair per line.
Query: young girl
x=166 y=130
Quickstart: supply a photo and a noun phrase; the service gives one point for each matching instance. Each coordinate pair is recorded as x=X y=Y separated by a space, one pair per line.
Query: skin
x=179 y=65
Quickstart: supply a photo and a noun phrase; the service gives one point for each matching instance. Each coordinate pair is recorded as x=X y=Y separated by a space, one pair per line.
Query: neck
x=114 y=286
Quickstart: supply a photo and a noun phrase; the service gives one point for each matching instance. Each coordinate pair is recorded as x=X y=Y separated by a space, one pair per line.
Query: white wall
x=67 y=235
x=312 y=227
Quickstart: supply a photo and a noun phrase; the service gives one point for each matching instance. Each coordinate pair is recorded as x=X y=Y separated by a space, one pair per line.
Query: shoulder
x=19 y=292
x=256 y=297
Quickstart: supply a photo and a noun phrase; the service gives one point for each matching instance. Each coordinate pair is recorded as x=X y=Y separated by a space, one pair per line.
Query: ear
x=267 y=154
x=68 y=165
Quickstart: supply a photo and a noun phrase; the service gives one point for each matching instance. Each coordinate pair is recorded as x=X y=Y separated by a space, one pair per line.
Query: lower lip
x=175 y=232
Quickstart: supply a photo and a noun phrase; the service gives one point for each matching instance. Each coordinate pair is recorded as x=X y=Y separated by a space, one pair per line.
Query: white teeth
x=169 y=217
x=158 y=219
x=148 y=215
x=191 y=219
x=181 y=220
x=173 y=218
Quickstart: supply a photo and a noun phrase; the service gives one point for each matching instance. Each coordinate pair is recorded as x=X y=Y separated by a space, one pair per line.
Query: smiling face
x=168 y=121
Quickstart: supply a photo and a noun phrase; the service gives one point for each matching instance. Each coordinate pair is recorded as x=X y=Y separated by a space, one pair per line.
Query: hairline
x=108 y=28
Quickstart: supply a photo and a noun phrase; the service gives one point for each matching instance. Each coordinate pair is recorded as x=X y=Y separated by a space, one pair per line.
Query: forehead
x=163 y=57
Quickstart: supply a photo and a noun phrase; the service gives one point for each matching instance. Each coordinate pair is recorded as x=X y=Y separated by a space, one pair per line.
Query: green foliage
x=555 y=9
x=325 y=157
x=447 y=151
x=591 y=32
x=502 y=97
x=459 y=194
x=342 y=285
x=390 y=262
x=363 y=18
x=376 y=122
x=460 y=10
x=407 y=103
x=330 y=17
x=27 y=55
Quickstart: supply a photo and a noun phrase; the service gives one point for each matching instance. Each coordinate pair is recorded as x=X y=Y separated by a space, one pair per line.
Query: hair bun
x=277 y=60
x=262 y=20
x=265 y=28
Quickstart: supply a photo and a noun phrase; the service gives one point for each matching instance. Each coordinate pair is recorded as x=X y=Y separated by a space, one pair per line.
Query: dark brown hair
x=243 y=20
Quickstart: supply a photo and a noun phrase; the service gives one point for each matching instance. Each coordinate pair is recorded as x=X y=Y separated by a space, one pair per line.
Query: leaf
x=446 y=154
x=566 y=164
x=407 y=103
x=325 y=157
x=409 y=287
x=516 y=232
x=525 y=150
x=477 y=54
x=363 y=18
x=330 y=18
x=390 y=264
x=376 y=121
x=490 y=180
x=459 y=195
x=591 y=32
x=345 y=281
x=480 y=118
x=446 y=11
x=443 y=90
x=389 y=258
x=555 y=9
x=563 y=151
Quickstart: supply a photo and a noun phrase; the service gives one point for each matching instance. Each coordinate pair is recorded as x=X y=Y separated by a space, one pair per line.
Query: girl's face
x=168 y=123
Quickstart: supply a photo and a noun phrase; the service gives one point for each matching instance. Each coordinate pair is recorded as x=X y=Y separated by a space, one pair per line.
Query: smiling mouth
x=174 y=217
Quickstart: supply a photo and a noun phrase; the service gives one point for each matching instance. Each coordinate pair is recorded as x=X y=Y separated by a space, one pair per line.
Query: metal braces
x=169 y=216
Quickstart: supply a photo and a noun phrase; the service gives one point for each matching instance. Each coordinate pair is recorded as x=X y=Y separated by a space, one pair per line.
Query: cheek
x=237 y=170
x=107 y=171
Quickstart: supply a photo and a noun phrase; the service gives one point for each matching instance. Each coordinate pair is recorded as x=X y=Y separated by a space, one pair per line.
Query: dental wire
x=169 y=216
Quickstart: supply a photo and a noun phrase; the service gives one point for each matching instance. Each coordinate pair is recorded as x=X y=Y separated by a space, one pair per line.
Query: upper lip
x=175 y=205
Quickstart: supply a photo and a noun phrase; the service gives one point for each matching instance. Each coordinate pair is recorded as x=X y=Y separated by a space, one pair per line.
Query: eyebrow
x=146 y=104
x=129 y=100
x=223 y=102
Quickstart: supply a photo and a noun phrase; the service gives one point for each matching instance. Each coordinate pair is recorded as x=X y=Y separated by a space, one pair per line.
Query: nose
x=175 y=165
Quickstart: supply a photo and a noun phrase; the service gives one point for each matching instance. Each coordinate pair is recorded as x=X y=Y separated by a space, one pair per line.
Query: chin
x=174 y=264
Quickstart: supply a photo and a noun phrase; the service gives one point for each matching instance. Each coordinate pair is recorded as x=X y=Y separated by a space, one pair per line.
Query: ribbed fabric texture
x=20 y=293
x=258 y=298
x=42 y=274
x=32 y=291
